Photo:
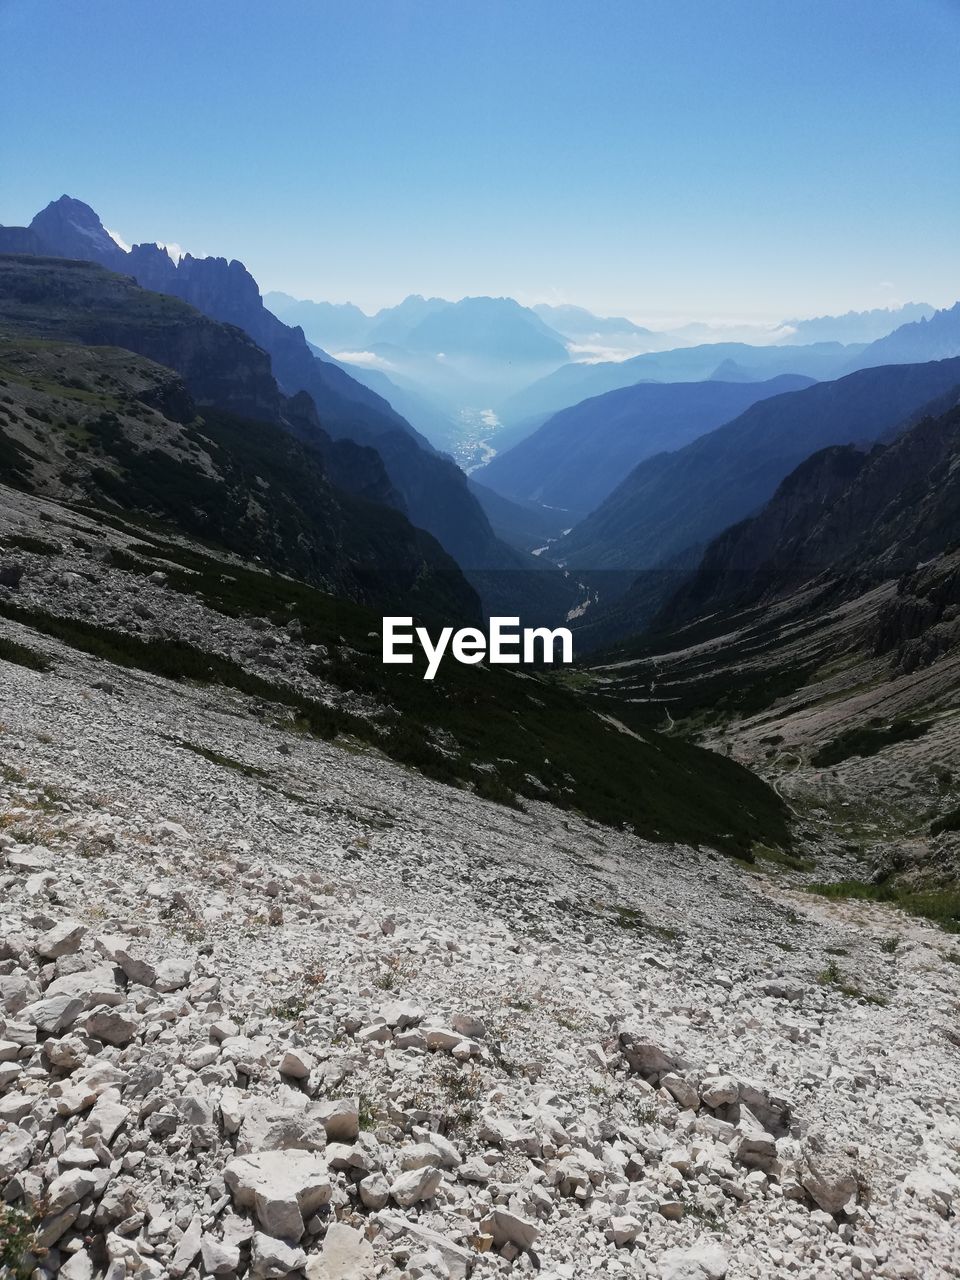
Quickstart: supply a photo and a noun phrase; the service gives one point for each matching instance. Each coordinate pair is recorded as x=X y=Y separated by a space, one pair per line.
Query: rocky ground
x=272 y=1007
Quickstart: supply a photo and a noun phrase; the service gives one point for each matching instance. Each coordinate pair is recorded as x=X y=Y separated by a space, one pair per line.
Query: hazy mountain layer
x=732 y=361
x=677 y=500
x=579 y=456
x=933 y=338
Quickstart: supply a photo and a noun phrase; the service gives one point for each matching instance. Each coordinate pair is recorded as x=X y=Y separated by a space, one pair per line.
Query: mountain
x=580 y=455
x=525 y=525
x=933 y=338
x=679 y=500
x=575 y=382
x=392 y=325
x=433 y=489
x=100 y=426
x=487 y=329
x=69 y=300
x=72 y=229
x=844 y=512
x=579 y=324
x=331 y=325
x=855 y=326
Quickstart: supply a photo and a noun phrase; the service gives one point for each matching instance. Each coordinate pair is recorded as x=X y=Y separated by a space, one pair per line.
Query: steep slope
x=575 y=382
x=930 y=338
x=861 y=516
x=77 y=301
x=287 y=653
x=525 y=525
x=820 y=641
x=579 y=456
x=101 y=427
x=434 y=490
x=677 y=500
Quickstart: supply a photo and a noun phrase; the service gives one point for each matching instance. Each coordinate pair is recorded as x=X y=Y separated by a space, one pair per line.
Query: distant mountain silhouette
x=856 y=326
x=577 y=322
x=487 y=329
x=936 y=338
x=332 y=326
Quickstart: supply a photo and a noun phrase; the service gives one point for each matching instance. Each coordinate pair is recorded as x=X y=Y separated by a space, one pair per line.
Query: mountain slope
x=819 y=641
x=682 y=499
x=101 y=427
x=863 y=516
x=575 y=382
x=579 y=456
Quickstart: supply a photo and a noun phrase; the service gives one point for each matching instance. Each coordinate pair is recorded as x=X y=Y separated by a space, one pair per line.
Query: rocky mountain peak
x=74 y=229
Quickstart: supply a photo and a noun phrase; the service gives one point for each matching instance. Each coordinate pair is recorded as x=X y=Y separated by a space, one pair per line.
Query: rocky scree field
x=274 y=1004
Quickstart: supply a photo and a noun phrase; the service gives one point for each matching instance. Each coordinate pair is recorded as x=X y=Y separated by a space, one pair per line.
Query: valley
x=317 y=966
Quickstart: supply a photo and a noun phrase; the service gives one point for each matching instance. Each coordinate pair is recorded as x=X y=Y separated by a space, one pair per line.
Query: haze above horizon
x=666 y=161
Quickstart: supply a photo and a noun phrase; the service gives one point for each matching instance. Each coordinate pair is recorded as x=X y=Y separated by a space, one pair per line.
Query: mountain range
x=478 y=375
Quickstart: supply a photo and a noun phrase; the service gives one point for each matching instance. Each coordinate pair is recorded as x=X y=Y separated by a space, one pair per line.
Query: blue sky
x=681 y=158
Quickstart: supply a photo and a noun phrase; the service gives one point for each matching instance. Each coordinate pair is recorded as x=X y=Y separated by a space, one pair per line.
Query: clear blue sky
x=694 y=157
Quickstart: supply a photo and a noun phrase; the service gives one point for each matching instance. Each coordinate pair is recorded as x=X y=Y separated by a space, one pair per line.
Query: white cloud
x=176 y=251
x=117 y=239
x=365 y=359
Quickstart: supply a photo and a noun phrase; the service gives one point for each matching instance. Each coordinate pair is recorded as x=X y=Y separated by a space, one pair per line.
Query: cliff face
x=80 y=301
x=102 y=427
x=922 y=622
x=843 y=513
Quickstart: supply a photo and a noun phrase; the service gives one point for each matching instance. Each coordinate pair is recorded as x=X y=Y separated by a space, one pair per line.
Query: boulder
x=346 y=1254
x=280 y=1187
x=416 y=1185
x=828 y=1174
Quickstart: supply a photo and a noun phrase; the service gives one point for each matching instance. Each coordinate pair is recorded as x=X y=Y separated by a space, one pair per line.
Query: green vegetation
x=508 y=736
x=831 y=976
x=868 y=741
x=942 y=906
x=226 y=762
x=18 y=1241
x=763 y=853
